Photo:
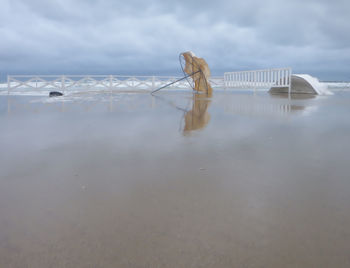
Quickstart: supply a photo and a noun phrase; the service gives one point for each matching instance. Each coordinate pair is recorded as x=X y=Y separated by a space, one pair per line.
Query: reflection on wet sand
x=198 y=117
x=292 y=96
x=270 y=104
x=295 y=97
x=95 y=188
x=195 y=118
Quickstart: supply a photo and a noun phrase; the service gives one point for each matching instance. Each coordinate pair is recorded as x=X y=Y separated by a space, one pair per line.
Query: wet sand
x=239 y=180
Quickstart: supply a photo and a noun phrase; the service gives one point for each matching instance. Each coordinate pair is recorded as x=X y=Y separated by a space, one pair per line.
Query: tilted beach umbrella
x=196 y=71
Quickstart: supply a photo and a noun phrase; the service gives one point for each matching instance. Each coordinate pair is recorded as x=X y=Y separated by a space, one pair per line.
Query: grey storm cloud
x=145 y=37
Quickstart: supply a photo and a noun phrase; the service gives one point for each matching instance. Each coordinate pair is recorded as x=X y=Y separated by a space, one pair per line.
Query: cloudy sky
x=145 y=37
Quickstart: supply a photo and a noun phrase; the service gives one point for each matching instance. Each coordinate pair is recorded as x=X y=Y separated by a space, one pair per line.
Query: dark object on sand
x=55 y=94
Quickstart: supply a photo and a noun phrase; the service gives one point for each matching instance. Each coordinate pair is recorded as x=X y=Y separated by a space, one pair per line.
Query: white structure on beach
x=278 y=80
x=68 y=83
x=304 y=84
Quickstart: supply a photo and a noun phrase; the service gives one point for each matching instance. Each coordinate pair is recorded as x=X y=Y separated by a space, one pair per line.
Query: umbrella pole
x=174 y=82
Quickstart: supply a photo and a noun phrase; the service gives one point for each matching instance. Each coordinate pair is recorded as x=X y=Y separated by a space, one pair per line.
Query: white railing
x=259 y=78
x=245 y=79
x=103 y=82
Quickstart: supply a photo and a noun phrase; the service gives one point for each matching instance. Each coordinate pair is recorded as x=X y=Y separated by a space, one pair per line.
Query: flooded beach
x=175 y=180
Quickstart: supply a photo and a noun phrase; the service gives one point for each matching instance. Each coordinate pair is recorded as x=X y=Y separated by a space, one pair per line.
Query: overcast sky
x=145 y=37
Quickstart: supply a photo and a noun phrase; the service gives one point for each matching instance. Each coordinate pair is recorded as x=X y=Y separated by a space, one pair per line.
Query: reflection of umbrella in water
x=195 y=119
x=198 y=117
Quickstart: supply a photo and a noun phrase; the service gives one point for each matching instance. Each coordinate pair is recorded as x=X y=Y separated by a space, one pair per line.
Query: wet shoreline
x=239 y=180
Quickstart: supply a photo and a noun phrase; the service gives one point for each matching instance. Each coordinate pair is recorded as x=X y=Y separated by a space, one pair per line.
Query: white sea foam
x=338 y=86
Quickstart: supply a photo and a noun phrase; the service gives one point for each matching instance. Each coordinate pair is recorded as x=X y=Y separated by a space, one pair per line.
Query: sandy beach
x=131 y=180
